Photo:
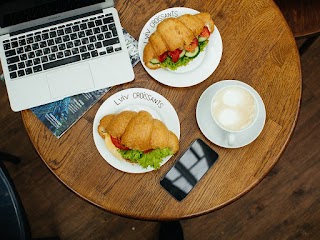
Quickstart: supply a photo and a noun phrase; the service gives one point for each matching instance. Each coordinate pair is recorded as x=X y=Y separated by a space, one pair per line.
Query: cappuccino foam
x=234 y=108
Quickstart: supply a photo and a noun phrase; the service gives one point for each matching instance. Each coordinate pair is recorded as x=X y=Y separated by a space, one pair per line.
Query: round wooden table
x=258 y=49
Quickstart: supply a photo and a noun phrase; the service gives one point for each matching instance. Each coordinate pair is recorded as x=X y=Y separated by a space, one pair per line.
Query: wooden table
x=258 y=49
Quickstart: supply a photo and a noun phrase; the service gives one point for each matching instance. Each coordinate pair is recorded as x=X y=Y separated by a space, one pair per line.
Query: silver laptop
x=52 y=49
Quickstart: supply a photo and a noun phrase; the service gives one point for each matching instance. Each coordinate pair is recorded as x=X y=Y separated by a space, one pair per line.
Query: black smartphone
x=189 y=169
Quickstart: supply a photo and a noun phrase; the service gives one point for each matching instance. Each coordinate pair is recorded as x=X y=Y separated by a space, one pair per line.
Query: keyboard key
x=52 y=34
x=36 y=61
x=28 y=71
x=27 y=48
x=35 y=46
x=37 y=38
x=6 y=46
x=15 y=44
x=44 y=59
x=98 y=22
x=73 y=36
x=83 y=26
x=91 y=24
x=108 y=35
x=13 y=75
x=68 y=30
x=62 y=46
x=39 y=53
x=61 y=62
x=20 y=50
x=108 y=20
x=10 y=52
x=12 y=67
x=67 y=53
x=23 y=57
x=75 y=51
x=98 y=45
x=60 y=32
x=21 y=65
x=37 y=68
x=85 y=55
x=94 y=53
x=50 y=42
x=89 y=32
x=46 y=51
x=21 y=73
x=110 y=41
x=59 y=55
x=104 y=28
x=90 y=47
x=43 y=44
x=109 y=49
x=52 y=57
x=31 y=55
x=69 y=44
x=13 y=59
x=30 y=40
x=45 y=36
x=66 y=38
x=75 y=28
x=85 y=41
x=58 y=40
x=83 y=49
x=29 y=63
x=117 y=49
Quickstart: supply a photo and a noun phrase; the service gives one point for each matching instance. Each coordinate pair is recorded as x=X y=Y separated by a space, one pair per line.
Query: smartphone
x=189 y=169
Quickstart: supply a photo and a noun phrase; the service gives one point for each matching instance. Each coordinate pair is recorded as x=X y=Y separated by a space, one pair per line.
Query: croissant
x=138 y=131
x=174 y=35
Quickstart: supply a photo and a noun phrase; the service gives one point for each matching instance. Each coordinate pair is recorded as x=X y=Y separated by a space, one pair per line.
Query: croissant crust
x=173 y=33
x=138 y=130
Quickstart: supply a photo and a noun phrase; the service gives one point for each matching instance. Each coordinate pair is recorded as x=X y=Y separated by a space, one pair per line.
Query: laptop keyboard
x=63 y=44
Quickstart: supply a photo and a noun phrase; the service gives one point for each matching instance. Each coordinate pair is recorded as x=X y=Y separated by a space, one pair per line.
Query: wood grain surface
x=258 y=49
x=303 y=16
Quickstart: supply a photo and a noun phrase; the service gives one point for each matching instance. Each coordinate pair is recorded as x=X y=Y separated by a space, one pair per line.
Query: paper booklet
x=59 y=116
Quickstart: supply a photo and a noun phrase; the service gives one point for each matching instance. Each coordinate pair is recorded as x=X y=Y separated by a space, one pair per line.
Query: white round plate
x=197 y=70
x=135 y=99
x=211 y=130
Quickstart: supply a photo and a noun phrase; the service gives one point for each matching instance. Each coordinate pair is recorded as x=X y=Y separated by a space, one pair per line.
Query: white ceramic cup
x=235 y=110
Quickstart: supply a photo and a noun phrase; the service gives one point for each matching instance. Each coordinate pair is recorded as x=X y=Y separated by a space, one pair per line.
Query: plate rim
x=123 y=165
x=216 y=56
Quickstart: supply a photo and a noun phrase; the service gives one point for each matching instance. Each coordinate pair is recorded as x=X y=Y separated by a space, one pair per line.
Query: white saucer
x=214 y=133
x=135 y=99
x=197 y=70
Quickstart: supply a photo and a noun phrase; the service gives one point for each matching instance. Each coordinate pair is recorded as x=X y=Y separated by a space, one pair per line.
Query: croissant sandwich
x=137 y=137
x=177 y=41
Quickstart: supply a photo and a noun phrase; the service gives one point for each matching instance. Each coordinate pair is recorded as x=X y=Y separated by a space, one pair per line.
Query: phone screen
x=189 y=169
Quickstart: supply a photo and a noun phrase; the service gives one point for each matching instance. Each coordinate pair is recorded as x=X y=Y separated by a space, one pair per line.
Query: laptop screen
x=13 y=12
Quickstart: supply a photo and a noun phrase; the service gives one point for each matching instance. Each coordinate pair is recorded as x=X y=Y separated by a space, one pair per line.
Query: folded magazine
x=59 y=116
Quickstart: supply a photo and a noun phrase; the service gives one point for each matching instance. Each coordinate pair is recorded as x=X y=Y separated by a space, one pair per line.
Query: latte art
x=234 y=108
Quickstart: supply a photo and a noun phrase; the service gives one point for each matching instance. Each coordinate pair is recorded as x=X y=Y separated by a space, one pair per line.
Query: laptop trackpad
x=70 y=80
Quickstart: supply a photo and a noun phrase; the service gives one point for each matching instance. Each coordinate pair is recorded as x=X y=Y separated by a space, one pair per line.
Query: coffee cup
x=234 y=109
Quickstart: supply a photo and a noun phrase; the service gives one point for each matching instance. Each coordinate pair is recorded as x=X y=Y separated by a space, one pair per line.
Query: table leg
x=171 y=231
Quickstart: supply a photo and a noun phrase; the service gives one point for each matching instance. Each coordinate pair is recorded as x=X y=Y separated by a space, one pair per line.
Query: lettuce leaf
x=152 y=158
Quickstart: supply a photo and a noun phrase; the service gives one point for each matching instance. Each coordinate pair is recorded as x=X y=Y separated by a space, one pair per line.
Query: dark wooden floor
x=285 y=205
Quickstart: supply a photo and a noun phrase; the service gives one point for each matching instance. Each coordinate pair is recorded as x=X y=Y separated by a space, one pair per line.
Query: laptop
x=52 y=49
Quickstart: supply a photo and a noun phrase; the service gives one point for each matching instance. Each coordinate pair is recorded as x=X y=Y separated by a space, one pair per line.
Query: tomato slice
x=118 y=144
x=192 y=45
x=175 y=55
x=205 y=32
x=163 y=57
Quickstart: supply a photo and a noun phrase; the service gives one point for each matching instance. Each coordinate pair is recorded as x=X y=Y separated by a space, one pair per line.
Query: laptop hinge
x=55 y=22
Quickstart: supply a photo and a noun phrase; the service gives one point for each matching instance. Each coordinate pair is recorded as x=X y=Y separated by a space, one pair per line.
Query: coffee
x=234 y=108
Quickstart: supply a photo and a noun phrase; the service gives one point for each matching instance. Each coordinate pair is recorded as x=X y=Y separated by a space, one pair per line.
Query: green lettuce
x=152 y=158
x=168 y=63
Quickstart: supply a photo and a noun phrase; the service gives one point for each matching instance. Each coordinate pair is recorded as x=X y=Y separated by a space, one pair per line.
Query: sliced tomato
x=118 y=144
x=192 y=45
x=149 y=150
x=175 y=55
x=163 y=57
x=205 y=32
